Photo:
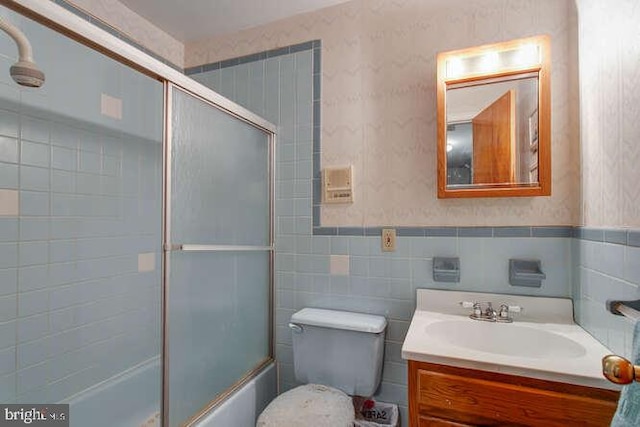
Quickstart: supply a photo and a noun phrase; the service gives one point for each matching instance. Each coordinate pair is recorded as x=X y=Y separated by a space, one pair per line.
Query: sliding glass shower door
x=219 y=252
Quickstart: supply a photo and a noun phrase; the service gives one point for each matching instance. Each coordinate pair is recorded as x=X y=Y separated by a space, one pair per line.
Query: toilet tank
x=338 y=349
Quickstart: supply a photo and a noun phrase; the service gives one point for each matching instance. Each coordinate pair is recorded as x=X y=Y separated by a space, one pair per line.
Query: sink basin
x=543 y=341
x=504 y=339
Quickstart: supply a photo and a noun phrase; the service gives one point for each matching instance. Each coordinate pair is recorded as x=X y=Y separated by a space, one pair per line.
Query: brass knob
x=619 y=370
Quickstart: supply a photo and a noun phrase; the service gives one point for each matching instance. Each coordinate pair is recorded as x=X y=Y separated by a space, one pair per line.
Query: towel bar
x=629 y=309
x=617 y=369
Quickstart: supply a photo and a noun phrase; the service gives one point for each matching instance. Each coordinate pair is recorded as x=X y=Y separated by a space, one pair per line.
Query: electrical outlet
x=388 y=239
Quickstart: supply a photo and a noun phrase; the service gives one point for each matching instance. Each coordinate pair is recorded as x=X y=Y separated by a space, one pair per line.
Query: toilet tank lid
x=340 y=320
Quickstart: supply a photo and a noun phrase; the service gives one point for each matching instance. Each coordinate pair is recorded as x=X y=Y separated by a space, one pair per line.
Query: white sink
x=542 y=342
x=504 y=338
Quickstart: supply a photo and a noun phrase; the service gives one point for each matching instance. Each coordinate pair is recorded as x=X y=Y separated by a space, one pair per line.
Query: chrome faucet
x=504 y=311
x=490 y=314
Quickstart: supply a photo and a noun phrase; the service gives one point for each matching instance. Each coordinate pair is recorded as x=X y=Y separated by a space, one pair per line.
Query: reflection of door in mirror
x=494 y=130
x=497 y=143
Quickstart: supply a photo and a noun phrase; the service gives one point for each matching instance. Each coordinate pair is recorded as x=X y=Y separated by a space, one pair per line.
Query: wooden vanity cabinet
x=447 y=396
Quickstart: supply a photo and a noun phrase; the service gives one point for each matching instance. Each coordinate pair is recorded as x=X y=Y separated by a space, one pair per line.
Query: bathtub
x=242 y=408
x=129 y=400
x=133 y=400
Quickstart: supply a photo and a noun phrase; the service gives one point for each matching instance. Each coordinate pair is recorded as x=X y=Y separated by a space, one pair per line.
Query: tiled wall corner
x=606 y=267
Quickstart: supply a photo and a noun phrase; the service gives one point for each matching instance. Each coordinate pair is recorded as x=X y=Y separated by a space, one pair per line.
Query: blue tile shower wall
x=283 y=86
x=606 y=267
x=75 y=309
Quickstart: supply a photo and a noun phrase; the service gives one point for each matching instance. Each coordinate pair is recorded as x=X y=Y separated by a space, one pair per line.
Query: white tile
x=111 y=106
x=339 y=265
x=146 y=262
x=9 y=203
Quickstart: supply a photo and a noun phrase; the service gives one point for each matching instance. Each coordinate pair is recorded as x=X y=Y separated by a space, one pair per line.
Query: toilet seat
x=309 y=405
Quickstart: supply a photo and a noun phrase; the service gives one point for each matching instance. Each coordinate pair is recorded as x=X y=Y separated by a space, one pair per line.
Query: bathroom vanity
x=442 y=395
x=540 y=370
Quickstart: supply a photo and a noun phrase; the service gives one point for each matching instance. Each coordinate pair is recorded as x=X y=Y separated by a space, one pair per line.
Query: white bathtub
x=130 y=400
x=133 y=400
x=242 y=408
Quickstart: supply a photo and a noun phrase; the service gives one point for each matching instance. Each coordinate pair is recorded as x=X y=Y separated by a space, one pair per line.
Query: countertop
x=552 y=315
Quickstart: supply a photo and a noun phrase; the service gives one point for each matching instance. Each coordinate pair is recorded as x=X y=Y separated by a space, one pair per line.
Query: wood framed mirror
x=494 y=120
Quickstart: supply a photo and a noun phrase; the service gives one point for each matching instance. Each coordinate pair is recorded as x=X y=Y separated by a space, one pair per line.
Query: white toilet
x=336 y=354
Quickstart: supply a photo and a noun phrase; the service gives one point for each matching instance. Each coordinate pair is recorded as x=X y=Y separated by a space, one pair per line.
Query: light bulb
x=455 y=67
x=528 y=54
x=490 y=61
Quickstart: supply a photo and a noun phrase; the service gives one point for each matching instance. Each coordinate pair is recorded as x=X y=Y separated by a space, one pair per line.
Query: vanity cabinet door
x=442 y=395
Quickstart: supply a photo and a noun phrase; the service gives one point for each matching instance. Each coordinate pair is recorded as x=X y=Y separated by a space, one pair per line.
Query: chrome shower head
x=26 y=73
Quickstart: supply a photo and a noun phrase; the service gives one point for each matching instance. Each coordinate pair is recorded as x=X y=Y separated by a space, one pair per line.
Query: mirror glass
x=492 y=133
x=494 y=120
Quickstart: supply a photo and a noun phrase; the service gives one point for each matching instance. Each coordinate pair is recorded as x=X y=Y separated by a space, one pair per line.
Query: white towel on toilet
x=309 y=405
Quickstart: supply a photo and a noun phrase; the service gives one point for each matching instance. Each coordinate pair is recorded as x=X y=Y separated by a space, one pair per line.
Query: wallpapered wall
x=610 y=108
x=378 y=101
x=135 y=26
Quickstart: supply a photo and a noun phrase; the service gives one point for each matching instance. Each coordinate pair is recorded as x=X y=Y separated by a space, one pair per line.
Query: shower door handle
x=215 y=248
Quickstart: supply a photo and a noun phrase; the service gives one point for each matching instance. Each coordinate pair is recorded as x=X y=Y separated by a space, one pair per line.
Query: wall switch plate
x=388 y=239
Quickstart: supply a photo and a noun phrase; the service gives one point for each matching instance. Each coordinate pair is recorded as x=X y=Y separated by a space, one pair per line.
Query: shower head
x=25 y=72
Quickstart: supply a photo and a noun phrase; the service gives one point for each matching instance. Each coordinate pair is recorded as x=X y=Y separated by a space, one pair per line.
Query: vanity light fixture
x=525 y=55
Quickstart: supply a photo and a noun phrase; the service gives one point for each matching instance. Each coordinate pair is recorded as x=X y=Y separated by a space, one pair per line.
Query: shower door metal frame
x=65 y=22
x=168 y=247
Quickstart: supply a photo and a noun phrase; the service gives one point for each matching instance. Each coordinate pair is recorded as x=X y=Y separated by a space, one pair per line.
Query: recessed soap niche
x=522 y=272
x=526 y=272
x=446 y=269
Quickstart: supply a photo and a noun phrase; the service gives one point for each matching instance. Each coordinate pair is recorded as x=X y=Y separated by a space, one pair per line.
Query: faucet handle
x=477 y=309
x=514 y=308
x=506 y=309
